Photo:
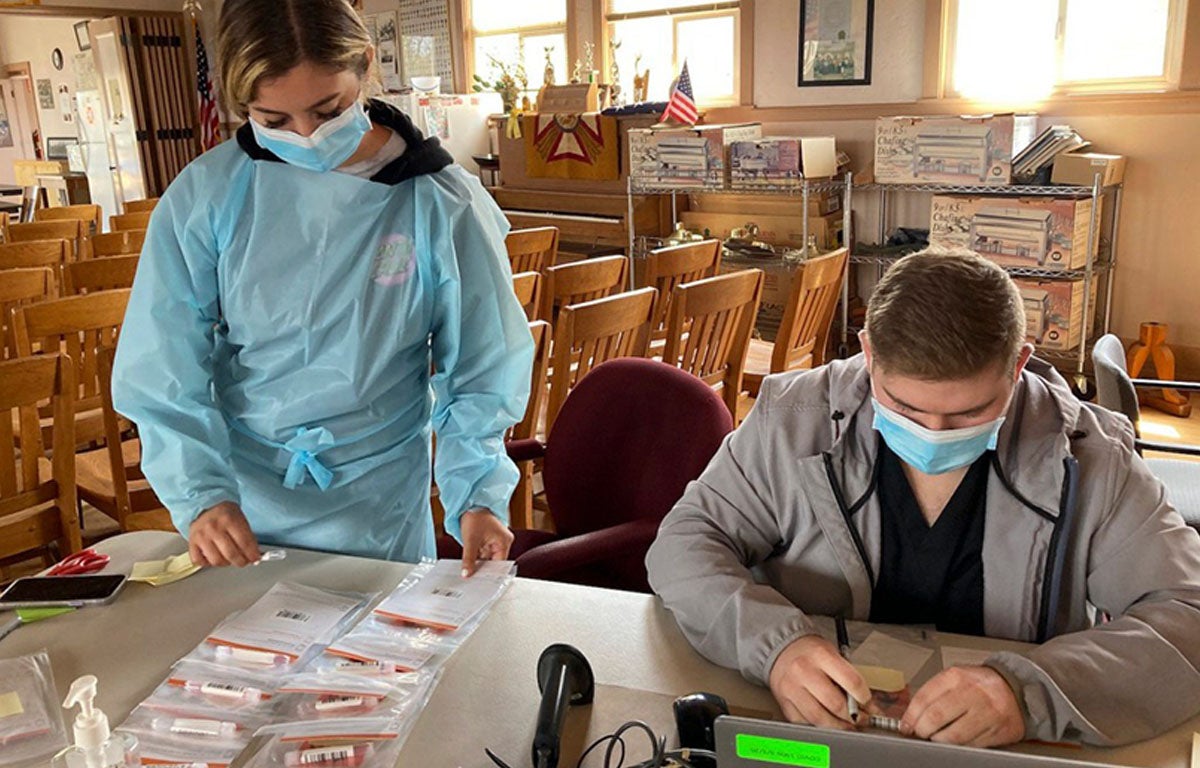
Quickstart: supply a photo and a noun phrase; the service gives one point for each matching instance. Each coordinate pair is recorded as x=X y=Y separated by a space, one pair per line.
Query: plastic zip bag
x=31 y=723
x=341 y=743
x=318 y=696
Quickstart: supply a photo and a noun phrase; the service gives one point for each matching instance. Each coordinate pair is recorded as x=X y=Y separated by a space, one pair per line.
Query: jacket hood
x=422 y=155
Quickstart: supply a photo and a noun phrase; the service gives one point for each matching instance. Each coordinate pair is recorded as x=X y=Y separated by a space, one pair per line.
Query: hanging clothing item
x=277 y=348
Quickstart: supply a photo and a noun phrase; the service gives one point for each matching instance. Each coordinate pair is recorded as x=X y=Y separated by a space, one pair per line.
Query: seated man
x=943 y=477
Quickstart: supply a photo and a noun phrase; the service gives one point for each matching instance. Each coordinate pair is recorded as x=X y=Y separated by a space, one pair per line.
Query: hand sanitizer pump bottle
x=95 y=745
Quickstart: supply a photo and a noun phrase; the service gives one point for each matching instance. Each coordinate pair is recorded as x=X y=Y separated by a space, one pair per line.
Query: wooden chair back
x=71 y=230
x=35 y=512
x=126 y=221
x=106 y=274
x=520 y=507
x=124 y=243
x=91 y=216
x=35 y=254
x=528 y=287
x=665 y=268
x=532 y=250
x=580 y=282
x=136 y=506
x=590 y=333
x=804 y=330
x=140 y=206
x=708 y=332
x=4 y=217
x=77 y=326
x=19 y=287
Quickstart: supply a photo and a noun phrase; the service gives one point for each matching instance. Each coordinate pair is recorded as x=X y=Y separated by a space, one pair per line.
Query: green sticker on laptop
x=782 y=751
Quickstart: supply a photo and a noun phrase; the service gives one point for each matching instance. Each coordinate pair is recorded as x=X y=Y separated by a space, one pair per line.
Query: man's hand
x=810 y=681
x=484 y=538
x=221 y=536
x=965 y=705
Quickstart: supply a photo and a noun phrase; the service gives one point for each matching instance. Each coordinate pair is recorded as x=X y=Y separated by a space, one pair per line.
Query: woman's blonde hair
x=264 y=39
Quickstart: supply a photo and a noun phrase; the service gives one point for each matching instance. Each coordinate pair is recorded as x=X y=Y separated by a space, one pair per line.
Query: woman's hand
x=484 y=538
x=221 y=536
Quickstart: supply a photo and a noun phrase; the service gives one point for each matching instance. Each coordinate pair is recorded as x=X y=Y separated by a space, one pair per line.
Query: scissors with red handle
x=84 y=561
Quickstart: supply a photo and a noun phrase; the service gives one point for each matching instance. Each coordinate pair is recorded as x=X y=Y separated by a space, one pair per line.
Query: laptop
x=744 y=742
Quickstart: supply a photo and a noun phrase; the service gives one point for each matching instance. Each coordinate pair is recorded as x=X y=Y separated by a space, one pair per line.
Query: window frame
x=742 y=14
x=1168 y=81
x=566 y=29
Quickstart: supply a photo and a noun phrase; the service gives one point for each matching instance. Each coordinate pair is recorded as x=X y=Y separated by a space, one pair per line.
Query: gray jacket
x=785 y=523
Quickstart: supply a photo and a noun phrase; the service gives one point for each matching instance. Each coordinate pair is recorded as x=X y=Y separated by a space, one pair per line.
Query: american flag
x=210 y=123
x=682 y=104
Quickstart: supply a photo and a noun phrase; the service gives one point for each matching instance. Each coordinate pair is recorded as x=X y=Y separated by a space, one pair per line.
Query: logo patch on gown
x=394 y=261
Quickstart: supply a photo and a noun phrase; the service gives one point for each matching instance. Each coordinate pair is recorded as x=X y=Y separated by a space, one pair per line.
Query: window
x=521 y=31
x=1022 y=50
x=659 y=35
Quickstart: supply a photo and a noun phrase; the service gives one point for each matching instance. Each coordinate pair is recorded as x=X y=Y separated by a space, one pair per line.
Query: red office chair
x=630 y=437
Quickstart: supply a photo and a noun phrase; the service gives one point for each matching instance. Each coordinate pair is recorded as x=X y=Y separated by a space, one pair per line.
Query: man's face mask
x=326 y=148
x=934 y=452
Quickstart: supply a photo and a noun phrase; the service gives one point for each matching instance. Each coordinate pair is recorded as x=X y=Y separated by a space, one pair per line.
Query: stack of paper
x=1048 y=145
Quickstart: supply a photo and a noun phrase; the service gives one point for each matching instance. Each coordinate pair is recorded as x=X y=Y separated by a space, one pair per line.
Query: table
x=488 y=694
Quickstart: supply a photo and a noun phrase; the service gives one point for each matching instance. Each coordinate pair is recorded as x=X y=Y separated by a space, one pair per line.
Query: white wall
x=896 y=63
x=32 y=38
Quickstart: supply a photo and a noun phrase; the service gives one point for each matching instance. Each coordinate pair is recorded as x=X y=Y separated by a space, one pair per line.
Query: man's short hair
x=945 y=314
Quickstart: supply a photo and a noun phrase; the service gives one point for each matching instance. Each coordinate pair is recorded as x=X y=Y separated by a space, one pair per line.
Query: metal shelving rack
x=1103 y=264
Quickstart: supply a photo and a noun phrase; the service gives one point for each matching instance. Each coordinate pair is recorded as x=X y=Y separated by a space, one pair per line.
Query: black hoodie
x=421 y=155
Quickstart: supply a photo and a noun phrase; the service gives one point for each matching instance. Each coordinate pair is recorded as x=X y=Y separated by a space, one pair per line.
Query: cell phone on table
x=50 y=591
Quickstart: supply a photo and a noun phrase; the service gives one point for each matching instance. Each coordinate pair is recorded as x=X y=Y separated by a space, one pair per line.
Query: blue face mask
x=934 y=452
x=327 y=148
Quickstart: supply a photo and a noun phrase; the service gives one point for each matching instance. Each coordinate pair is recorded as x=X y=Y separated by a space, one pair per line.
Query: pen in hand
x=843 y=641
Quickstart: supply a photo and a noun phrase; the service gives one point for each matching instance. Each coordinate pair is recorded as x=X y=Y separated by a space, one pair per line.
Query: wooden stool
x=1152 y=345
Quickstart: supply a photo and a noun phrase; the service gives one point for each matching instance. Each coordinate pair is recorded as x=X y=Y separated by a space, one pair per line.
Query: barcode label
x=310 y=756
x=453 y=594
x=223 y=689
x=293 y=615
x=326 y=703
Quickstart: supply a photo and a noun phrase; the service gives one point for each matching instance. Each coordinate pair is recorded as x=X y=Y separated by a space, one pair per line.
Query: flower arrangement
x=510 y=82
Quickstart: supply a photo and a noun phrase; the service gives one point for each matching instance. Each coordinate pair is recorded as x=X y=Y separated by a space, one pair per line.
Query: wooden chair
x=91 y=216
x=532 y=250
x=125 y=243
x=528 y=287
x=709 y=330
x=140 y=206
x=122 y=222
x=804 y=330
x=581 y=281
x=111 y=479
x=71 y=230
x=590 y=333
x=106 y=274
x=35 y=254
x=37 y=492
x=4 y=217
x=665 y=268
x=520 y=508
x=17 y=288
x=78 y=326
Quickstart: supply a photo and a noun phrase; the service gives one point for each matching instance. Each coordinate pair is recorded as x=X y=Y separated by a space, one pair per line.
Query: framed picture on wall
x=835 y=42
x=81 y=36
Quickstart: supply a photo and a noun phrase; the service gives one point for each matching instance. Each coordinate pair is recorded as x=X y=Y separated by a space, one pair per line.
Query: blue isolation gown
x=277 y=348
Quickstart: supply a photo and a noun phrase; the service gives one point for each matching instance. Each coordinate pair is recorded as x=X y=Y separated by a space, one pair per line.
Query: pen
x=843 y=641
x=9 y=625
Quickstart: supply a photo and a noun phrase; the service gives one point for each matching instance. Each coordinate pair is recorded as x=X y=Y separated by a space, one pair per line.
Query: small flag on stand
x=210 y=122
x=681 y=107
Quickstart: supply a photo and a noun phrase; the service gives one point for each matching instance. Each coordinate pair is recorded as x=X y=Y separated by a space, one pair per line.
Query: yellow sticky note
x=882 y=678
x=161 y=572
x=10 y=704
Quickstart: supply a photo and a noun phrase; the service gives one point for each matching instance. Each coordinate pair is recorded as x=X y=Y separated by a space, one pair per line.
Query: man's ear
x=1022 y=359
x=865 y=341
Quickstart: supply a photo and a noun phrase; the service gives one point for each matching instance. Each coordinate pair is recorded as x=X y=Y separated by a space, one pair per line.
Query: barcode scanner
x=565 y=680
x=695 y=717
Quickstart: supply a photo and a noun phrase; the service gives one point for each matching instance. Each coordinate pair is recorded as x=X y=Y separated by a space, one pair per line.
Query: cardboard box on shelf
x=965 y=150
x=775 y=161
x=819 y=203
x=1054 y=312
x=1081 y=168
x=1032 y=232
x=776 y=230
x=686 y=157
